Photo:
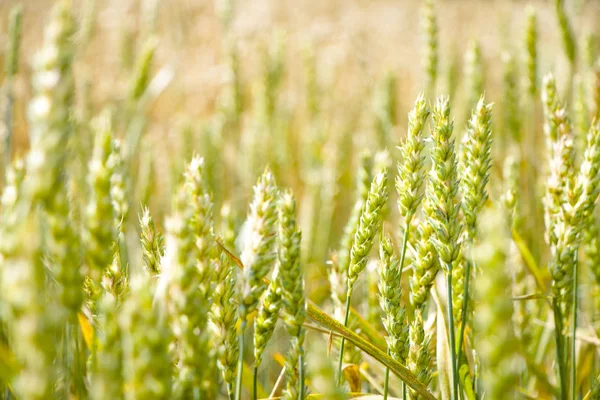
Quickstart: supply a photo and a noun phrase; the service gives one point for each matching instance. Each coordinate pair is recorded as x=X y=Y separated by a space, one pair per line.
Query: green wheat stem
x=463 y=323
x=386 y=381
x=254 y=381
x=240 y=367
x=402 y=258
x=574 y=340
x=302 y=372
x=451 y=337
x=559 y=347
x=341 y=359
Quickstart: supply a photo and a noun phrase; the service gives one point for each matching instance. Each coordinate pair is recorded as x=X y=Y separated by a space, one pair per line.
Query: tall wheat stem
x=559 y=347
x=463 y=322
x=341 y=359
x=386 y=381
x=451 y=337
x=301 y=383
x=240 y=368
x=574 y=339
x=254 y=382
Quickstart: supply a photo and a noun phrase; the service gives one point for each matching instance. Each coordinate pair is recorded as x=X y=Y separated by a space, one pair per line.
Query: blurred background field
x=353 y=46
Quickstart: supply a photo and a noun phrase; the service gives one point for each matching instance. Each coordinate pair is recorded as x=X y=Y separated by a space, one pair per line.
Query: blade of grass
x=368 y=330
x=319 y=317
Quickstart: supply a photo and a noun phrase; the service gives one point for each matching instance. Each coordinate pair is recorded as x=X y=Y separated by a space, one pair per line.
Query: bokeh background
x=333 y=61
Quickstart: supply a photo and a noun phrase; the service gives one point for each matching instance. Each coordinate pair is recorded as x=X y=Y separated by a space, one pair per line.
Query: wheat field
x=299 y=200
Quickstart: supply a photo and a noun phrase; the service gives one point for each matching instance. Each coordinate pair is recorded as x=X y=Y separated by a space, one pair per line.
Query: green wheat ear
x=187 y=261
x=50 y=109
x=338 y=273
x=566 y=31
x=267 y=317
x=419 y=359
x=147 y=363
x=430 y=47
x=258 y=254
x=385 y=104
x=11 y=65
x=443 y=186
x=511 y=102
x=223 y=320
x=496 y=341
x=531 y=56
x=411 y=174
x=11 y=68
x=390 y=296
x=370 y=221
x=98 y=233
x=293 y=296
x=152 y=242
x=442 y=211
x=106 y=374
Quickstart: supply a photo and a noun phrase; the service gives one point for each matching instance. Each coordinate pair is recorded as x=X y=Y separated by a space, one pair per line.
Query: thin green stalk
x=452 y=339
x=341 y=359
x=463 y=322
x=301 y=388
x=461 y=335
x=574 y=339
x=386 y=381
x=254 y=381
x=402 y=258
x=240 y=368
x=559 y=348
